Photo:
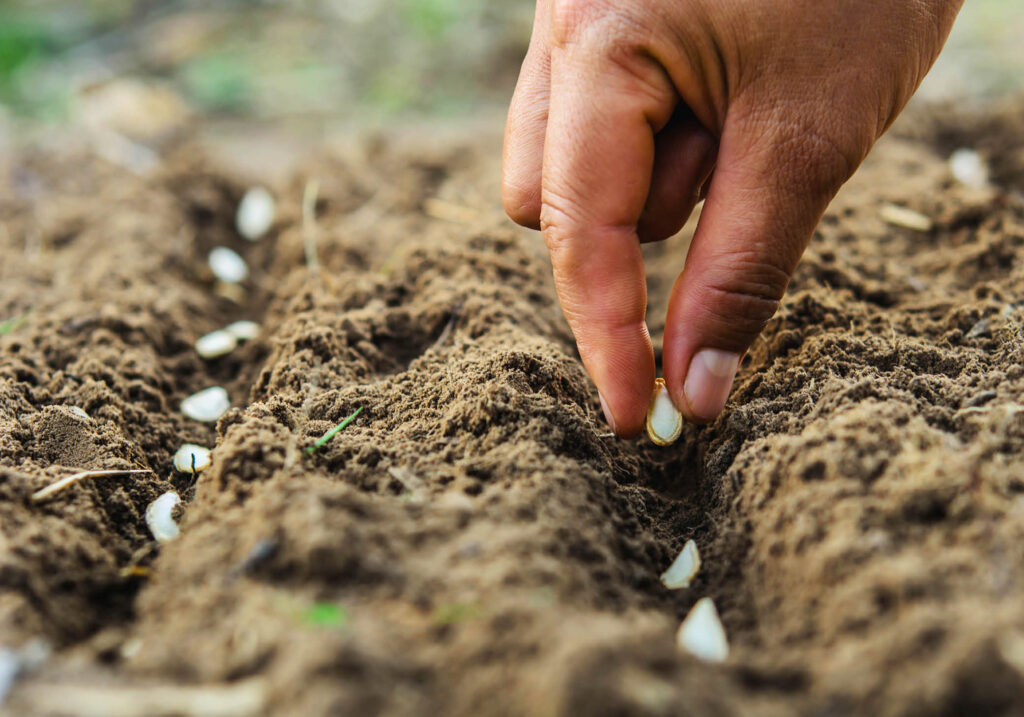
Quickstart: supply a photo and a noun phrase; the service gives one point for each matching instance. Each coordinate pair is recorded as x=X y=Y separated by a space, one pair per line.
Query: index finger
x=598 y=157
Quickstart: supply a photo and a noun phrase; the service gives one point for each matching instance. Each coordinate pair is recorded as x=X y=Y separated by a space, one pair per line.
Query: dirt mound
x=475 y=542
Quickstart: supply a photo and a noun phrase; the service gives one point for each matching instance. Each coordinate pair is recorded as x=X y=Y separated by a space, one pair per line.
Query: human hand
x=623 y=110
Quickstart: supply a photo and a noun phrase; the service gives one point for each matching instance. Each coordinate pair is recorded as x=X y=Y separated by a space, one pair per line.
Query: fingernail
x=709 y=381
x=607 y=414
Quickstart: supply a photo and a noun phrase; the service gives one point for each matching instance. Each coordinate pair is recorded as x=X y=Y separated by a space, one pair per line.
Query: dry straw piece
x=664 y=421
x=75 y=478
x=684 y=569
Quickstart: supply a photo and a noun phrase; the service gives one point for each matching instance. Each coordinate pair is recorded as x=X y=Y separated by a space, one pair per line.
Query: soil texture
x=475 y=542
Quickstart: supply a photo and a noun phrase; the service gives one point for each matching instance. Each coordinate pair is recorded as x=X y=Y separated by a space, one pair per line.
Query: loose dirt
x=475 y=542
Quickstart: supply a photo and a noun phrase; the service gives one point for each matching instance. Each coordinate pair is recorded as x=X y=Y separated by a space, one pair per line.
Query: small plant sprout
x=702 y=634
x=255 y=214
x=684 y=569
x=191 y=458
x=228 y=266
x=326 y=614
x=243 y=330
x=907 y=218
x=664 y=421
x=216 y=344
x=10 y=325
x=206 y=406
x=333 y=432
x=159 y=519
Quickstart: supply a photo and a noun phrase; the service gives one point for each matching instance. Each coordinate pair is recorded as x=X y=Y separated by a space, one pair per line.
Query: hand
x=623 y=110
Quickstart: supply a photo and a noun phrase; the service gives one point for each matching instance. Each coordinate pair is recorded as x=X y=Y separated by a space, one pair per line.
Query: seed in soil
x=969 y=168
x=907 y=218
x=227 y=265
x=216 y=344
x=159 y=519
x=243 y=330
x=207 y=405
x=255 y=214
x=191 y=458
x=702 y=634
x=664 y=421
x=684 y=569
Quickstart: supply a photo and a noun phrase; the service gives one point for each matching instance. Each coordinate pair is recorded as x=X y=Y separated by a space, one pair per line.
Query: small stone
x=207 y=405
x=228 y=266
x=216 y=344
x=255 y=214
x=80 y=413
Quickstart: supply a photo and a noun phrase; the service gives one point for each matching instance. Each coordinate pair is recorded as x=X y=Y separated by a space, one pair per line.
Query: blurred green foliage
x=326 y=614
x=276 y=59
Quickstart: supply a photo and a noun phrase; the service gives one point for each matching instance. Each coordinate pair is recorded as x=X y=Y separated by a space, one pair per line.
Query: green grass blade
x=333 y=432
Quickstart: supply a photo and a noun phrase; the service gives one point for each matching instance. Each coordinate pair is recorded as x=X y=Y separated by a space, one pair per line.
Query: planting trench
x=475 y=542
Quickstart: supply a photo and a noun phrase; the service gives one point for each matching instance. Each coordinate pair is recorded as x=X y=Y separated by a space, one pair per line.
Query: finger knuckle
x=570 y=19
x=521 y=204
x=743 y=295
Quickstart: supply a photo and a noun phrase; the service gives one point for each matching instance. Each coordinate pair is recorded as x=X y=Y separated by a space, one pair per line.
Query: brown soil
x=475 y=543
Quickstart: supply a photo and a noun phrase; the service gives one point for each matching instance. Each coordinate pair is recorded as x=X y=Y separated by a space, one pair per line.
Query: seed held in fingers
x=664 y=421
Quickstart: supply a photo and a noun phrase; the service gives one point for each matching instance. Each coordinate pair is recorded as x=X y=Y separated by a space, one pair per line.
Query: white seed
x=685 y=568
x=158 y=517
x=228 y=266
x=207 y=406
x=255 y=213
x=216 y=344
x=969 y=168
x=191 y=458
x=906 y=218
x=664 y=422
x=702 y=634
x=243 y=330
x=80 y=413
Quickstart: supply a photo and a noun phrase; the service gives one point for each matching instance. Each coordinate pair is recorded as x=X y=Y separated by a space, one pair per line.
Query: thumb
x=774 y=178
